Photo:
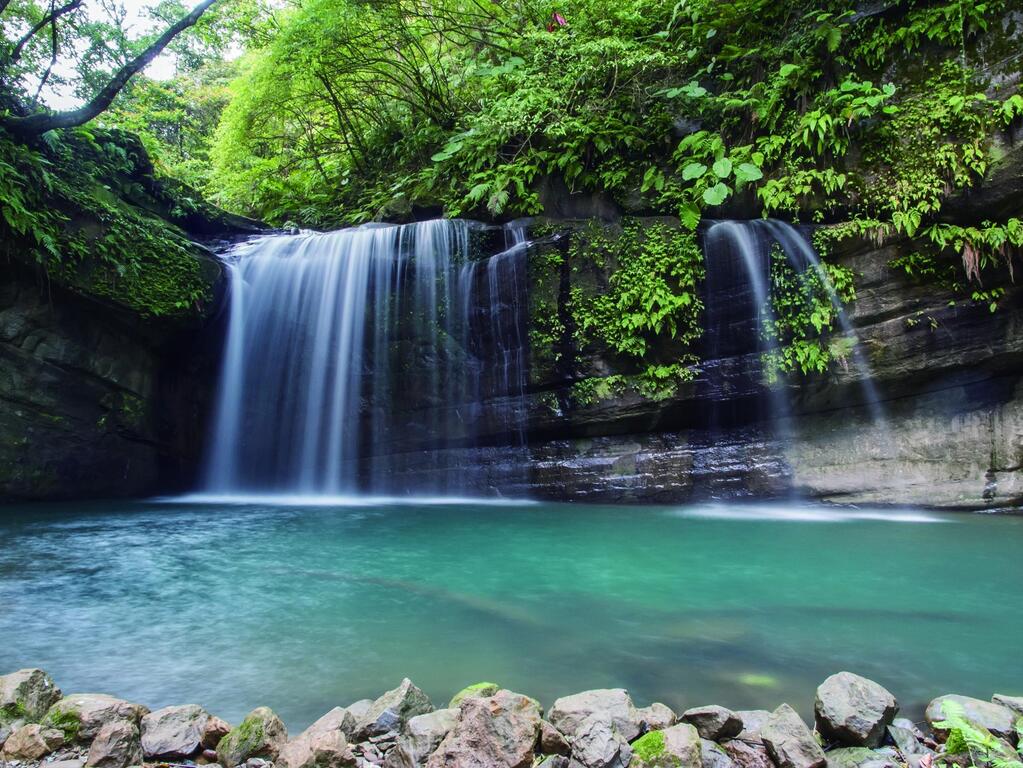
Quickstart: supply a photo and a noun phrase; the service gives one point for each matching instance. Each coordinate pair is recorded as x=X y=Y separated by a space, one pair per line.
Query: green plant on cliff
x=61 y=206
x=649 y=312
x=803 y=311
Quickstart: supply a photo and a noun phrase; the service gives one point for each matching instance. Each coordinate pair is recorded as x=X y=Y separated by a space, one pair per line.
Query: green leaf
x=787 y=69
x=716 y=195
x=747 y=172
x=722 y=168
x=690 y=215
x=693 y=171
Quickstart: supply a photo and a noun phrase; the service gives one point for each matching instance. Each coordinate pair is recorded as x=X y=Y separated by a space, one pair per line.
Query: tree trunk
x=40 y=122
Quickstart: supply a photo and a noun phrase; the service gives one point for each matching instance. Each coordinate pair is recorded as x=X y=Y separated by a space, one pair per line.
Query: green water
x=303 y=608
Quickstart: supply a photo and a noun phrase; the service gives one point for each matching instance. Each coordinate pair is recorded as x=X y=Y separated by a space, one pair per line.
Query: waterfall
x=749 y=244
x=364 y=359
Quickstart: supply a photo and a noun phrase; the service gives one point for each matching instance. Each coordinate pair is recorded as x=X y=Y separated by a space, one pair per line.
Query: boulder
x=746 y=754
x=329 y=749
x=713 y=722
x=1015 y=703
x=860 y=757
x=612 y=704
x=998 y=719
x=713 y=755
x=81 y=715
x=476 y=689
x=908 y=725
x=422 y=735
x=552 y=741
x=32 y=742
x=853 y=710
x=597 y=743
x=499 y=731
x=260 y=734
x=675 y=747
x=215 y=730
x=907 y=741
x=392 y=710
x=174 y=732
x=117 y=745
x=26 y=695
x=753 y=721
x=656 y=717
x=789 y=742
x=324 y=744
x=360 y=708
x=5 y=731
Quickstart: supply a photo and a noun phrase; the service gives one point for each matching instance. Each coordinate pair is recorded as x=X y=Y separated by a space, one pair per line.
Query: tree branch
x=49 y=18
x=40 y=122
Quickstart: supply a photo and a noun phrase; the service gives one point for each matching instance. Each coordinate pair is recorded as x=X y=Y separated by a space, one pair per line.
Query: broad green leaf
x=747 y=172
x=693 y=171
x=716 y=195
x=722 y=168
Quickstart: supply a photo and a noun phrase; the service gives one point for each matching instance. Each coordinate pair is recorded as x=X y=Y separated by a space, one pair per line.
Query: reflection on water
x=304 y=607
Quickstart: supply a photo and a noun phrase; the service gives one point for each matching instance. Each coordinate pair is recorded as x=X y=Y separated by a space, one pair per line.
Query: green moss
x=473 y=691
x=65 y=721
x=649 y=746
x=241 y=742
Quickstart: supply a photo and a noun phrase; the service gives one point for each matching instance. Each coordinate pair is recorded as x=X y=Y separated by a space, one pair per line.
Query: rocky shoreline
x=485 y=726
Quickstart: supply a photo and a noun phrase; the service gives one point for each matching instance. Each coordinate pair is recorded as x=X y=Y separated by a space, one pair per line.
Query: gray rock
x=553 y=741
x=81 y=715
x=656 y=717
x=612 y=704
x=713 y=755
x=261 y=734
x=174 y=732
x=26 y=695
x=998 y=719
x=907 y=741
x=360 y=708
x=713 y=722
x=422 y=735
x=499 y=731
x=324 y=744
x=790 y=742
x=1015 y=703
x=597 y=743
x=677 y=747
x=860 y=757
x=748 y=754
x=556 y=761
x=74 y=763
x=753 y=721
x=32 y=742
x=908 y=725
x=391 y=711
x=853 y=710
x=117 y=745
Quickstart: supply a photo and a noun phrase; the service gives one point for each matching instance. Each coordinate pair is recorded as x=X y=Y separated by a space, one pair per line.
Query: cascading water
x=356 y=356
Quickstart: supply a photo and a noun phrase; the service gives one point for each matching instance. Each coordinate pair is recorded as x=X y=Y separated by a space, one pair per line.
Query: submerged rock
x=790 y=742
x=81 y=715
x=853 y=710
x=392 y=710
x=611 y=704
x=422 y=735
x=713 y=722
x=679 y=746
x=656 y=717
x=499 y=731
x=176 y=732
x=996 y=718
x=117 y=745
x=260 y=734
x=26 y=695
x=32 y=742
x=477 y=689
